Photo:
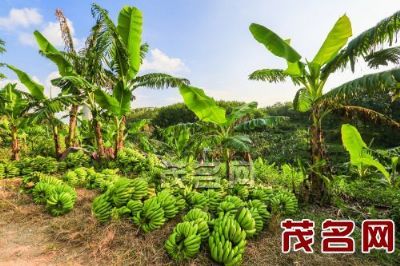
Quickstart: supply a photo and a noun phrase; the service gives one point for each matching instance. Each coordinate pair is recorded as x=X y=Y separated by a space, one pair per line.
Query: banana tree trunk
x=71 y=138
x=228 y=164
x=99 y=137
x=15 y=144
x=57 y=144
x=317 y=191
x=120 y=136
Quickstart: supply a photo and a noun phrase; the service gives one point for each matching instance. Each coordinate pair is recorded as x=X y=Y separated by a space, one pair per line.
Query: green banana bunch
x=235 y=200
x=92 y=178
x=246 y=221
x=258 y=219
x=48 y=179
x=180 y=202
x=227 y=241
x=184 y=242
x=241 y=191
x=81 y=173
x=261 y=208
x=2 y=171
x=61 y=167
x=214 y=199
x=201 y=219
x=59 y=203
x=118 y=213
x=64 y=188
x=140 y=188
x=284 y=203
x=134 y=206
x=196 y=214
x=168 y=202
x=11 y=170
x=225 y=208
x=71 y=178
x=76 y=159
x=197 y=200
x=41 y=191
x=151 y=217
x=120 y=192
x=259 y=194
x=102 y=208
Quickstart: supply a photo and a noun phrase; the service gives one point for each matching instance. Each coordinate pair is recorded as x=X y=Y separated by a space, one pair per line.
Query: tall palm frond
x=381 y=82
x=2 y=46
x=383 y=57
x=144 y=49
x=272 y=75
x=368 y=114
x=361 y=46
x=117 y=51
x=158 y=81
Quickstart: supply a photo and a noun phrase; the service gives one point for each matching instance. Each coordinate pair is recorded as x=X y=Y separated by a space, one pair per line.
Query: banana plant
x=227 y=130
x=360 y=153
x=312 y=75
x=13 y=108
x=81 y=74
x=41 y=108
x=125 y=58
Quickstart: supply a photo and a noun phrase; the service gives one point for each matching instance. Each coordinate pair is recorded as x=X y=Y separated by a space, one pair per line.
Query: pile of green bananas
x=102 y=208
x=241 y=191
x=41 y=192
x=151 y=217
x=130 y=160
x=261 y=208
x=76 y=159
x=262 y=194
x=197 y=200
x=284 y=203
x=9 y=170
x=168 y=203
x=258 y=219
x=227 y=241
x=120 y=192
x=60 y=203
x=214 y=198
x=235 y=200
x=246 y=221
x=134 y=206
x=201 y=219
x=184 y=242
x=140 y=188
x=105 y=179
x=58 y=197
x=226 y=207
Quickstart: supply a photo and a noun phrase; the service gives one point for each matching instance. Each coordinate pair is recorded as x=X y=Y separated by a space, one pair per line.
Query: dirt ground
x=29 y=236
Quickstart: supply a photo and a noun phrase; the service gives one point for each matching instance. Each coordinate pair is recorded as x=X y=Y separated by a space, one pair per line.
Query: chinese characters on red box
x=336 y=236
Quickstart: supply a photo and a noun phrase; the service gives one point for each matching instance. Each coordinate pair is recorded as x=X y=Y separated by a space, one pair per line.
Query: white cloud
x=24 y=17
x=160 y=62
x=52 y=32
x=50 y=90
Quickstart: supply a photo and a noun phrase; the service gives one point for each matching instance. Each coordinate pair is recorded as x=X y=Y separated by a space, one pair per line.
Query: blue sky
x=206 y=41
